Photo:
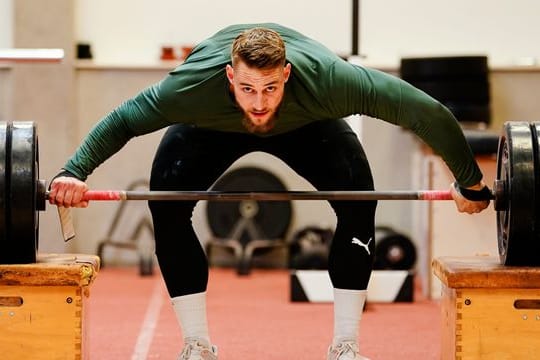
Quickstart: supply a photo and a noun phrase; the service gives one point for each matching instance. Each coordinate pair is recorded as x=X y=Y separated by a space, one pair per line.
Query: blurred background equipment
x=461 y=83
x=247 y=228
x=127 y=232
x=393 y=250
x=84 y=51
x=309 y=248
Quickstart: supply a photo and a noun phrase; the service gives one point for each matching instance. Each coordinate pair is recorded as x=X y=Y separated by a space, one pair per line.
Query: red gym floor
x=130 y=317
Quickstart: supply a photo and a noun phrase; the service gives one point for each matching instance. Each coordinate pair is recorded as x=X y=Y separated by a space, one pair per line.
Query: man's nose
x=260 y=102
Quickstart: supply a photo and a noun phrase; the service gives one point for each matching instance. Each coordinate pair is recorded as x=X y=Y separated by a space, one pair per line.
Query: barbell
x=23 y=194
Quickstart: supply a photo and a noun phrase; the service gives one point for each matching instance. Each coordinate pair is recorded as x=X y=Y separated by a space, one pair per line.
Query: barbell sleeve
x=119 y=195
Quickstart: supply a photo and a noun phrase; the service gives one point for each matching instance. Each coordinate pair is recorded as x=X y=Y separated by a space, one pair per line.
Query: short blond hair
x=261 y=48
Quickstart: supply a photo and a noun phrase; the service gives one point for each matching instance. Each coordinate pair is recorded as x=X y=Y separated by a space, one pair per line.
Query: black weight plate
x=272 y=218
x=462 y=90
x=4 y=204
x=535 y=129
x=444 y=67
x=515 y=224
x=23 y=183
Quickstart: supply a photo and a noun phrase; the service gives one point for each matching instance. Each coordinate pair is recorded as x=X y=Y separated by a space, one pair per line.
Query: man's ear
x=287 y=71
x=230 y=73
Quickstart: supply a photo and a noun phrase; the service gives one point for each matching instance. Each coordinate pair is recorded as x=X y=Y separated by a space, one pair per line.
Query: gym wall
x=506 y=31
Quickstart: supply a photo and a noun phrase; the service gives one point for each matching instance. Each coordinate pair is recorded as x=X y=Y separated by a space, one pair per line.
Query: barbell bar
x=122 y=195
x=23 y=194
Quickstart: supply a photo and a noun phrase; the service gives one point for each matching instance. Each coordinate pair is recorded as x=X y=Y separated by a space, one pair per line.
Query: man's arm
x=137 y=116
x=366 y=91
x=142 y=114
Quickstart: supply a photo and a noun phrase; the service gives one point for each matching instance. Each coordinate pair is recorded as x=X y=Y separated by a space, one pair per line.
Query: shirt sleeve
x=359 y=90
x=140 y=115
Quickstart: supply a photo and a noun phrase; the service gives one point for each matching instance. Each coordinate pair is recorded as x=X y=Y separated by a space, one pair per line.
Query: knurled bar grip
x=119 y=195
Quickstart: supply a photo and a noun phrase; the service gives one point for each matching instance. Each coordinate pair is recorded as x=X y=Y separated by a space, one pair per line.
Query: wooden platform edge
x=483 y=272
x=52 y=270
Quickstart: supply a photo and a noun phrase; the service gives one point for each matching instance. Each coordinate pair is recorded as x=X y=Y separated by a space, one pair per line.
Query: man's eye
x=271 y=89
x=247 y=89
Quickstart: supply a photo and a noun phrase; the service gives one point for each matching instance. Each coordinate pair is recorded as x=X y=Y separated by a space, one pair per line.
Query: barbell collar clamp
x=500 y=195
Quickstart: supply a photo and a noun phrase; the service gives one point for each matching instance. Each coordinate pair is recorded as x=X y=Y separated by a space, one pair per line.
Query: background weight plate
x=22 y=192
x=515 y=224
x=272 y=218
x=393 y=250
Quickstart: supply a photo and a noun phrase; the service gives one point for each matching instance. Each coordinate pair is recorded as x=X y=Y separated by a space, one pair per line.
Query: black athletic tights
x=326 y=153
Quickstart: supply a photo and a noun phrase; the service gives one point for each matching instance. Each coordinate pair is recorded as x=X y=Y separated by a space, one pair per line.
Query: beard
x=253 y=128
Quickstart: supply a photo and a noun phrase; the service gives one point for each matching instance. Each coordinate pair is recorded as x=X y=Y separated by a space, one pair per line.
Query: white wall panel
x=134 y=30
x=6 y=23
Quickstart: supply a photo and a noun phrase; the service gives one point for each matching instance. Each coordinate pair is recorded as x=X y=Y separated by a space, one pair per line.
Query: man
x=268 y=88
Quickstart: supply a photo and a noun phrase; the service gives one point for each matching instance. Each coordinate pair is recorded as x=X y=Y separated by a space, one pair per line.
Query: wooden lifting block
x=43 y=307
x=489 y=311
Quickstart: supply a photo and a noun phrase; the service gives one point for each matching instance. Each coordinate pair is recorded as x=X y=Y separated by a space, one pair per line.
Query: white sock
x=348 y=308
x=191 y=314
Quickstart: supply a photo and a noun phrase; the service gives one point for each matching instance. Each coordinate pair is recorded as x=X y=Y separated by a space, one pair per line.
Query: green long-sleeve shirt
x=321 y=86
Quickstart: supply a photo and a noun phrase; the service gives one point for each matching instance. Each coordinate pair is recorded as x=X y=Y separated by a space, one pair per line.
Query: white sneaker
x=198 y=349
x=345 y=350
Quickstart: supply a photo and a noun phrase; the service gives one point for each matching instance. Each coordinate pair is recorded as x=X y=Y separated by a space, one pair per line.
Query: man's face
x=258 y=93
